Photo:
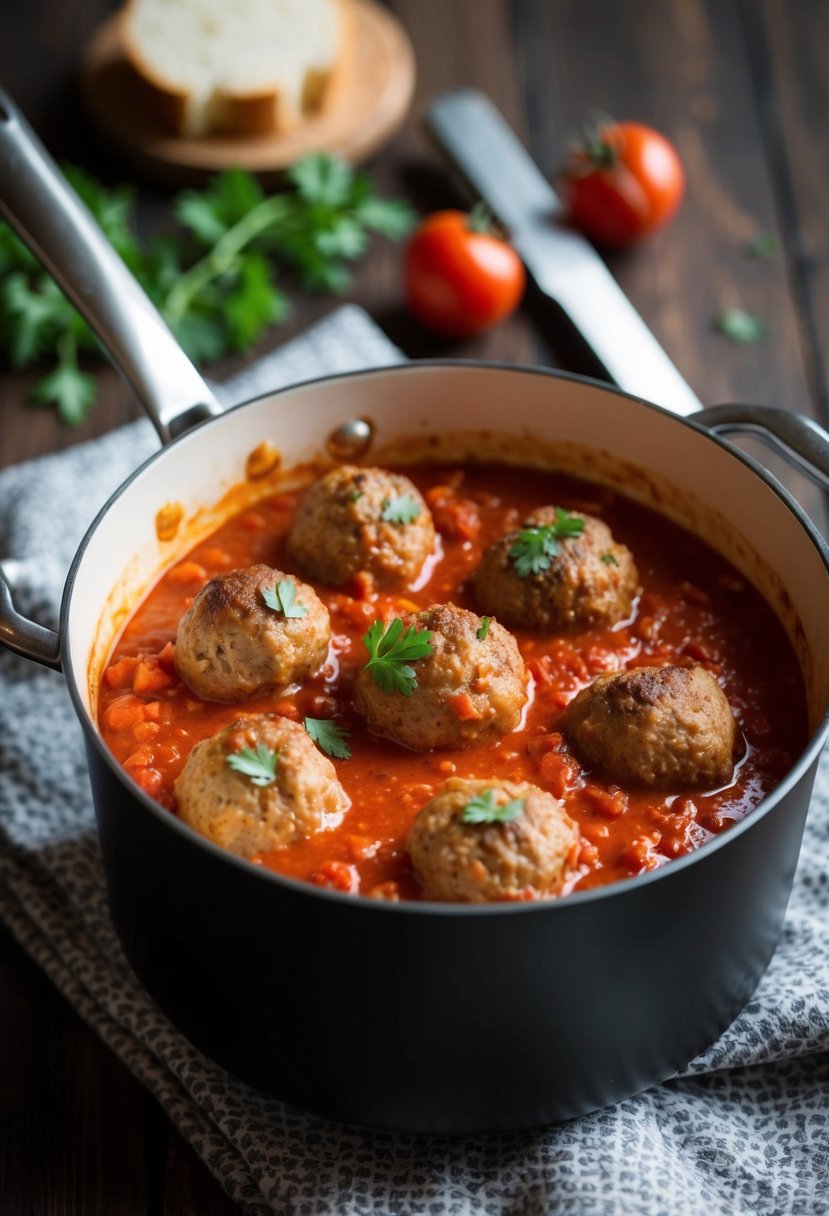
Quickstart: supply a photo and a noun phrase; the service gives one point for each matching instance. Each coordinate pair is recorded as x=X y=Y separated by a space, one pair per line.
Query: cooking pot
x=420 y=1016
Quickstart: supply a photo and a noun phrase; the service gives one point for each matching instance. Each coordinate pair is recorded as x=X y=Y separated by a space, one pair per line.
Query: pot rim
x=430 y=907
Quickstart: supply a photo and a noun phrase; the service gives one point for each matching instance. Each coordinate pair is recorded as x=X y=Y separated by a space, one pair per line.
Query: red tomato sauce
x=694 y=608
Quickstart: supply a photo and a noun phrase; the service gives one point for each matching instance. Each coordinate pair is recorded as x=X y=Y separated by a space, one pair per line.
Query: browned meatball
x=362 y=519
x=232 y=642
x=591 y=580
x=524 y=856
x=665 y=727
x=472 y=687
x=248 y=813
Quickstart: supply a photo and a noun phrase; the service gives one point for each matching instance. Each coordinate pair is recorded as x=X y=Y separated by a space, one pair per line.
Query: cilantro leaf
x=534 y=548
x=763 y=244
x=253 y=303
x=321 y=178
x=258 y=763
x=484 y=809
x=329 y=737
x=229 y=197
x=740 y=327
x=483 y=628
x=391 y=650
x=391 y=217
x=402 y=509
x=282 y=598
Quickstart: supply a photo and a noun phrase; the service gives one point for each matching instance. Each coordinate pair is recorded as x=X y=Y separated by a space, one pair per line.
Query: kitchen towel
x=744 y=1129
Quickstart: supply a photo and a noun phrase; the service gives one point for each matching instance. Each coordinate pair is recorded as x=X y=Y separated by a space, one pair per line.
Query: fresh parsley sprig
x=403 y=509
x=212 y=278
x=483 y=629
x=484 y=809
x=259 y=764
x=282 y=598
x=534 y=548
x=329 y=737
x=390 y=652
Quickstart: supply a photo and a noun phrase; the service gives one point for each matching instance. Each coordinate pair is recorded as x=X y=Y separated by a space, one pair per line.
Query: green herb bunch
x=213 y=278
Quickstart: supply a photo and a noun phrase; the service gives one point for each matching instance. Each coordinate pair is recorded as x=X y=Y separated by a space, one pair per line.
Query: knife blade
x=563 y=264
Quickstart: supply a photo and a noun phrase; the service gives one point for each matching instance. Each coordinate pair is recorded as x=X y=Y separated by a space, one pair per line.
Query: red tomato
x=624 y=182
x=461 y=277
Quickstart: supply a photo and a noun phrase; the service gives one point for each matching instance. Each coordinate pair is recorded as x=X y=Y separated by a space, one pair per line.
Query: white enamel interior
x=520 y=414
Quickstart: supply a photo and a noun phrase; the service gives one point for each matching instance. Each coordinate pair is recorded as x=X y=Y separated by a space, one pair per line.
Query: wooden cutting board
x=366 y=103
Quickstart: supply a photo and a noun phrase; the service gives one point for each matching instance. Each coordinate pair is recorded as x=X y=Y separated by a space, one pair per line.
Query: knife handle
x=564 y=265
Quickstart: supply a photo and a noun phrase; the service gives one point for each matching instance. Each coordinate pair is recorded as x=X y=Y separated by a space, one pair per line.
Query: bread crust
x=230 y=112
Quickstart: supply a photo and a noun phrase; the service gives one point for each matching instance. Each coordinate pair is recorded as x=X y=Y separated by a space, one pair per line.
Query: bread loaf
x=244 y=67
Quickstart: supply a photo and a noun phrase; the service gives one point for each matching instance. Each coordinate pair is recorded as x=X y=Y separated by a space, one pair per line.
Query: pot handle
x=47 y=215
x=24 y=637
x=798 y=439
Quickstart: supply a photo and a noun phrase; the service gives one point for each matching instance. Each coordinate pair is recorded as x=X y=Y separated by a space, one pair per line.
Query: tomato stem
x=481 y=219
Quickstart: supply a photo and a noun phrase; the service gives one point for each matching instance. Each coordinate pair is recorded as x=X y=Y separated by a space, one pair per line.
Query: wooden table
x=743 y=90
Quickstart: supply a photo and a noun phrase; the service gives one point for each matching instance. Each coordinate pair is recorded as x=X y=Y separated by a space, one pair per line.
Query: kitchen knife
x=564 y=265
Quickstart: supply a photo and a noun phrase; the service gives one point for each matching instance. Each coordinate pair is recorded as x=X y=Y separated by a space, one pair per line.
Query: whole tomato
x=622 y=183
x=461 y=276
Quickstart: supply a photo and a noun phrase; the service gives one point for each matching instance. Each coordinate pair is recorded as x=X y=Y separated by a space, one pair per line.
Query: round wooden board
x=367 y=101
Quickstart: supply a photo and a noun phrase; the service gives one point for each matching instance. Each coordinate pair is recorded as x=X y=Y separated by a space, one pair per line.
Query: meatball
x=471 y=688
x=523 y=856
x=591 y=581
x=362 y=519
x=291 y=792
x=251 y=631
x=664 y=727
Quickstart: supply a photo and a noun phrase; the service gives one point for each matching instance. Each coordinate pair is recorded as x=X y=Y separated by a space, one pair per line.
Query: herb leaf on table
x=212 y=278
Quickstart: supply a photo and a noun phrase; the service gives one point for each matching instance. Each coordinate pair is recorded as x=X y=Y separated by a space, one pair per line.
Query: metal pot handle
x=24 y=637
x=51 y=220
x=799 y=440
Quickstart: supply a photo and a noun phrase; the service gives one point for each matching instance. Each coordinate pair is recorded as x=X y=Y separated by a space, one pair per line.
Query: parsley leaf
x=483 y=809
x=402 y=509
x=609 y=558
x=282 y=598
x=740 y=327
x=212 y=278
x=391 y=650
x=534 y=548
x=483 y=628
x=258 y=763
x=763 y=244
x=329 y=737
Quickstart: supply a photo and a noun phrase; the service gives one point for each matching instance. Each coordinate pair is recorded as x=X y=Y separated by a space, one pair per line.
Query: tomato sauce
x=694 y=608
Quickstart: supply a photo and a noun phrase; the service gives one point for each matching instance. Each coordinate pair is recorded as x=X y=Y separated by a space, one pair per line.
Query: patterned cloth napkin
x=744 y=1129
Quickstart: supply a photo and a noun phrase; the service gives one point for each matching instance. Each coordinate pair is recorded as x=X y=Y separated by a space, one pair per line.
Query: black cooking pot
x=418 y=1016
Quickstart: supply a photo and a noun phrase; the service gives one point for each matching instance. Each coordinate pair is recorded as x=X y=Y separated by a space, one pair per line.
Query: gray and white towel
x=744 y=1129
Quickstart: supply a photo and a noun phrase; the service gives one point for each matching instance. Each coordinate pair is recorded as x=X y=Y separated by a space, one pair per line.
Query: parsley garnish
x=740 y=327
x=329 y=737
x=258 y=763
x=609 y=558
x=282 y=598
x=354 y=495
x=483 y=809
x=483 y=629
x=391 y=650
x=400 y=510
x=534 y=548
x=212 y=278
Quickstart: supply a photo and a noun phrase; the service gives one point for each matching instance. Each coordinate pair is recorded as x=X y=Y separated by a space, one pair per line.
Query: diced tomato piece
x=612 y=802
x=123 y=713
x=142 y=732
x=187 y=572
x=464 y=708
x=362 y=585
x=361 y=847
x=639 y=855
x=120 y=673
x=559 y=772
x=217 y=557
x=149 y=779
x=166 y=658
x=541 y=744
x=140 y=758
x=149 y=677
x=152 y=711
x=337 y=876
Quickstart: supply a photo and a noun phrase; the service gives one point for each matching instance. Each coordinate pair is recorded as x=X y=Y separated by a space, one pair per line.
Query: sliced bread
x=243 y=67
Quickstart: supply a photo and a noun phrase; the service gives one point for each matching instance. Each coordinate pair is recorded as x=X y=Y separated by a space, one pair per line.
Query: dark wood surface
x=743 y=89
